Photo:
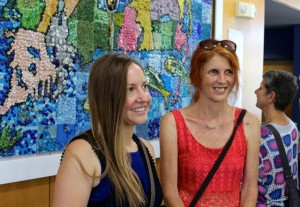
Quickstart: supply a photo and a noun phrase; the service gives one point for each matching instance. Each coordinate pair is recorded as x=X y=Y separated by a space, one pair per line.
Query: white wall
x=37 y=166
x=253 y=33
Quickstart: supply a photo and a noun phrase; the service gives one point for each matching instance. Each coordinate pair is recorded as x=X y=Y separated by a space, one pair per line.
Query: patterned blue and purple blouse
x=271 y=181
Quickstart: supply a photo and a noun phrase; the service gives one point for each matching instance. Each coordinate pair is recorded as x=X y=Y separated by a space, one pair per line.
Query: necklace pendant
x=209 y=128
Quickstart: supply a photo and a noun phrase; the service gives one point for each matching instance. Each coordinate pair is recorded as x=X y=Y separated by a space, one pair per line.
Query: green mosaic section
x=31 y=12
x=72 y=37
x=163 y=35
x=90 y=27
x=101 y=37
x=6 y=138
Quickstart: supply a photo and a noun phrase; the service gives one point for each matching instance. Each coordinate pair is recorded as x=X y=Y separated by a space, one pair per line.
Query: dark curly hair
x=285 y=86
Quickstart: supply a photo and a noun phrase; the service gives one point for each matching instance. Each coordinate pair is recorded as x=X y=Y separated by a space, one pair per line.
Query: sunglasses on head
x=211 y=44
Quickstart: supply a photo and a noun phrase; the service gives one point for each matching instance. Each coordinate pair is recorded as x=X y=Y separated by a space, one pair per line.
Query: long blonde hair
x=107 y=95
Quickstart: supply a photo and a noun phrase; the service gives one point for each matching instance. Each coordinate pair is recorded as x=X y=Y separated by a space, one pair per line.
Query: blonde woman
x=106 y=166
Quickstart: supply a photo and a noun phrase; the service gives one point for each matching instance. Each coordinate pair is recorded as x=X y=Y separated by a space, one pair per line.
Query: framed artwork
x=46 y=52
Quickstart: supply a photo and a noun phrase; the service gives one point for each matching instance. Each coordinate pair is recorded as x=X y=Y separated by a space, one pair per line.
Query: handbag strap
x=142 y=146
x=284 y=159
x=218 y=161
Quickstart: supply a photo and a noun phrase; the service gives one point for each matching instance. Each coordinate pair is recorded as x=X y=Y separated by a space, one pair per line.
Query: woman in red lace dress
x=192 y=138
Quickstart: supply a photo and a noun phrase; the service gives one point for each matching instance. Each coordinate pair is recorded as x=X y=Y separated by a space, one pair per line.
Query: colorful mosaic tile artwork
x=47 y=48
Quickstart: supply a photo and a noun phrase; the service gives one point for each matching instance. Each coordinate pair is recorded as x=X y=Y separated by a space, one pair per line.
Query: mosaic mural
x=48 y=46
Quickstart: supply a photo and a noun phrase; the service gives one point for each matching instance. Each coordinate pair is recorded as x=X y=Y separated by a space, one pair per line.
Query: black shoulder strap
x=293 y=192
x=218 y=161
x=284 y=159
x=87 y=136
x=149 y=164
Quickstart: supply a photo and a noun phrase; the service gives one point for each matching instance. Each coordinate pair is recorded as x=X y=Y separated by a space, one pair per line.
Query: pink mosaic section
x=181 y=39
x=130 y=31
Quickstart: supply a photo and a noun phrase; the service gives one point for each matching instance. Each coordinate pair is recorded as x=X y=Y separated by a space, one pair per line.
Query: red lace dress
x=195 y=161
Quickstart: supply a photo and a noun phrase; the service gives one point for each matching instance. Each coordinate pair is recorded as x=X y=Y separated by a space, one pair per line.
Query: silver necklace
x=209 y=128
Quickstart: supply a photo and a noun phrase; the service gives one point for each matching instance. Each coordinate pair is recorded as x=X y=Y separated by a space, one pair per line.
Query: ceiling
x=280 y=15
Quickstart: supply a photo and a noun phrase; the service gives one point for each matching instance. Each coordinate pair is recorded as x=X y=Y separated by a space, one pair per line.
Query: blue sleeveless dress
x=103 y=194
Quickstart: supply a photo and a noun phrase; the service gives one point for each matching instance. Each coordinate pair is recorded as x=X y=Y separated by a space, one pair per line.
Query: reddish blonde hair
x=200 y=57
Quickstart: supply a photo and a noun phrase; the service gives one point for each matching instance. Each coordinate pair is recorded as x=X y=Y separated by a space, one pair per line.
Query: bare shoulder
x=81 y=152
x=168 y=134
x=251 y=120
x=79 y=147
x=167 y=117
x=252 y=127
x=167 y=121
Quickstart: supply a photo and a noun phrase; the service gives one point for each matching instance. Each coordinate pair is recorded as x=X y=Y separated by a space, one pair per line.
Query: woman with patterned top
x=108 y=165
x=277 y=90
x=192 y=138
